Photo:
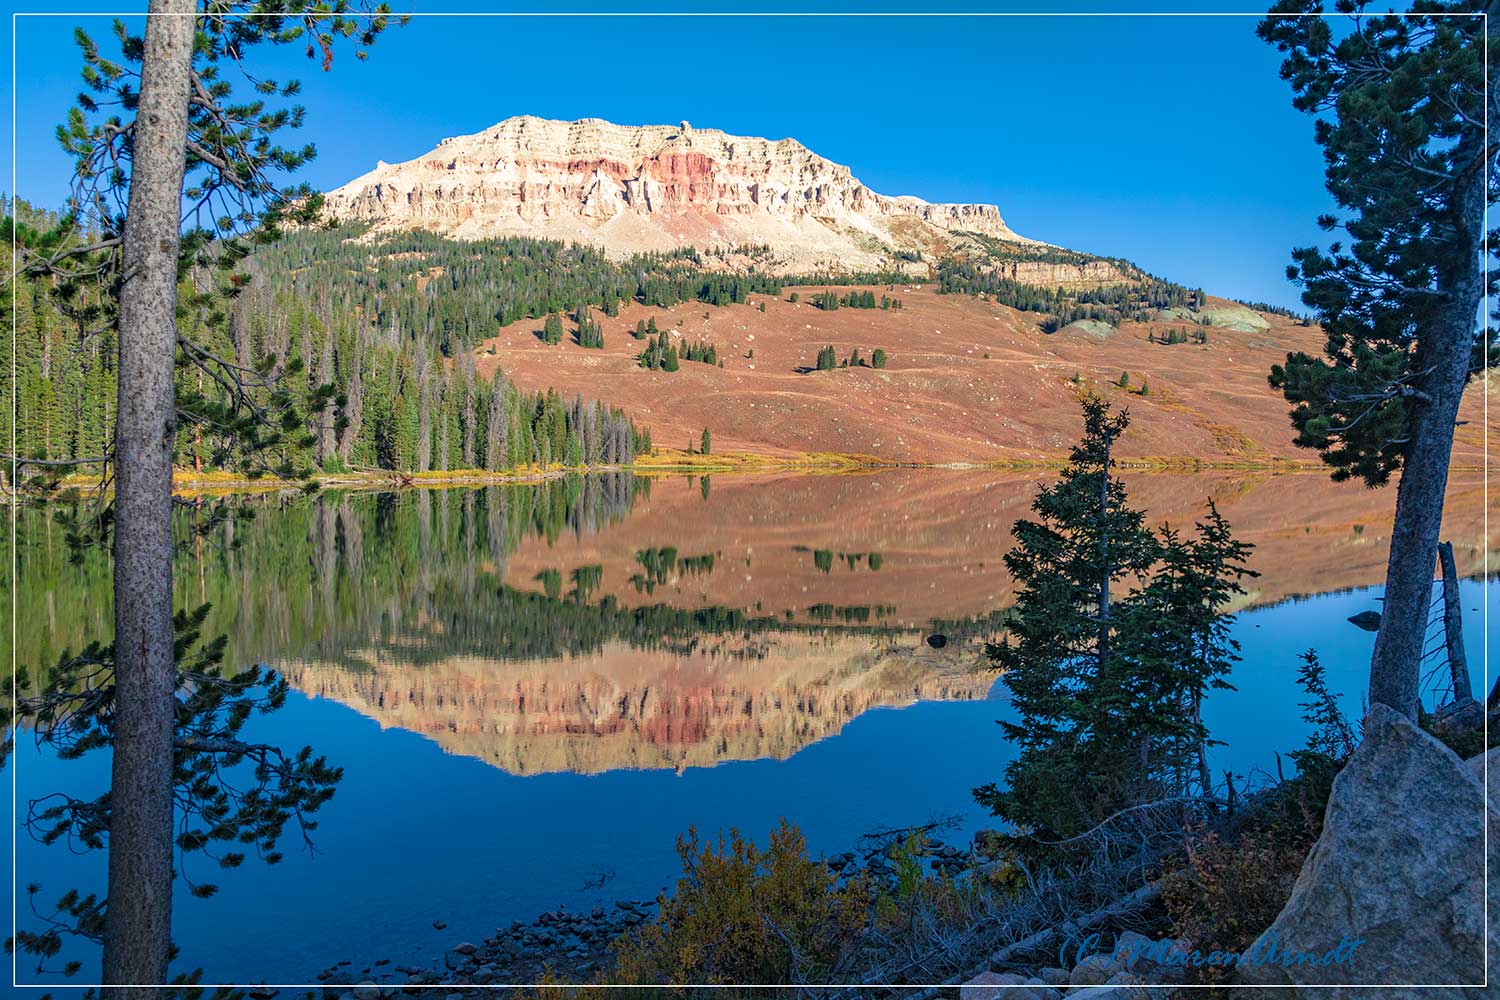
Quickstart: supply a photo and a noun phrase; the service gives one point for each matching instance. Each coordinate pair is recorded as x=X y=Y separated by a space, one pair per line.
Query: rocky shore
x=574 y=945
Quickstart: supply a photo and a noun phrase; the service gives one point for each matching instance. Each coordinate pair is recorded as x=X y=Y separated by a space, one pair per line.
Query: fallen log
x=1052 y=937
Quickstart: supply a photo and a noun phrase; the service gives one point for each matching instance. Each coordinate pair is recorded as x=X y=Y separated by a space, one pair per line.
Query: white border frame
x=319 y=986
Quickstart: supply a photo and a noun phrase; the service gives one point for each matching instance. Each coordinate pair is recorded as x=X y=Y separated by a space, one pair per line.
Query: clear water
x=515 y=732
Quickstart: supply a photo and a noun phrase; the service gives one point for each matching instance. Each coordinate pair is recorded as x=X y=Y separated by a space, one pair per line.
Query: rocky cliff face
x=630 y=189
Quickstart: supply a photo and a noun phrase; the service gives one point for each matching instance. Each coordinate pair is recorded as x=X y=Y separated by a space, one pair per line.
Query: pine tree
x=1403 y=115
x=1077 y=762
x=1176 y=634
x=706 y=443
x=552 y=329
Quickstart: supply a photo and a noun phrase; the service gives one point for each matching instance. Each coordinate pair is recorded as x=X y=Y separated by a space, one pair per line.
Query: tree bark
x=1445 y=352
x=1453 y=627
x=137 y=931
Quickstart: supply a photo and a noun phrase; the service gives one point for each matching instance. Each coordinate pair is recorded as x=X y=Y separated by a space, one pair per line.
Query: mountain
x=634 y=189
x=767 y=261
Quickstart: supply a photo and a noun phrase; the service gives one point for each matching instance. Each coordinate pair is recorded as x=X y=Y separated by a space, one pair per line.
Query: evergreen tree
x=706 y=444
x=1078 y=759
x=1175 y=633
x=552 y=329
x=1403 y=110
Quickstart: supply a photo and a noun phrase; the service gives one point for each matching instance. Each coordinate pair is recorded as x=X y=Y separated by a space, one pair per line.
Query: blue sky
x=1168 y=140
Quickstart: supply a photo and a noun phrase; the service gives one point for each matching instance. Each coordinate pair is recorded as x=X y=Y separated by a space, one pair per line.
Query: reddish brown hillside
x=967 y=381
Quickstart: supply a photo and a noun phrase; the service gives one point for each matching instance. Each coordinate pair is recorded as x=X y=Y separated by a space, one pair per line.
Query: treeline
x=1138 y=300
x=403 y=406
x=1266 y=307
x=420 y=286
x=400 y=399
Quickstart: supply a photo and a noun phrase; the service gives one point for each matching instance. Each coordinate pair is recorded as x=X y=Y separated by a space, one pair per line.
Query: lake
x=534 y=689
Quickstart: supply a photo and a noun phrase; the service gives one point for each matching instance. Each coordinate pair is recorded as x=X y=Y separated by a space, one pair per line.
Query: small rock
x=1053 y=976
x=367 y=991
x=438 y=925
x=992 y=986
x=465 y=948
x=1094 y=970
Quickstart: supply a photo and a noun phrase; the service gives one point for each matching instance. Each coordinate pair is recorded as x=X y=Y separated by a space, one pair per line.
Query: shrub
x=741 y=915
x=1230 y=892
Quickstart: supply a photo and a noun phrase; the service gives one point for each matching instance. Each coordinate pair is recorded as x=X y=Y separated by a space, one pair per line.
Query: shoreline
x=669 y=462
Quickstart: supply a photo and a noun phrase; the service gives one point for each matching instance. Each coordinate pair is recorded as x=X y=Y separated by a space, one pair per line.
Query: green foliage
x=552 y=330
x=1401 y=108
x=1138 y=298
x=740 y=915
x=662 y=355
x=827 y=359
x=879 y=358
x=254 y=413
x=232 y=795
x=1332 y=739
x=588 y=332
x=705 y=446
x=1107 y=687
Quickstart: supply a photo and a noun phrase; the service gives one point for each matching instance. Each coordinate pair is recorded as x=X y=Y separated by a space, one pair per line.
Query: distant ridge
x=631 y=189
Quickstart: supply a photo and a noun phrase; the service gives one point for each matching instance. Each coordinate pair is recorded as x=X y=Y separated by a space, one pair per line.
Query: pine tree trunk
x=1453 y=627
x=1445 y=354
x=138 y=924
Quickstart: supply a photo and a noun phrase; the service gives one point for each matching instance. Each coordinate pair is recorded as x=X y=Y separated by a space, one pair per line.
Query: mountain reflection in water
x=593 y=623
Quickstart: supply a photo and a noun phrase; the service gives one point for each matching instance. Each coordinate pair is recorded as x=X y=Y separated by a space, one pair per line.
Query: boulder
x=1120 y=986
x=1005 y=986
x=1477 y=767
x=1093 y=970
x=1053 y=976
x=1393 y=891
